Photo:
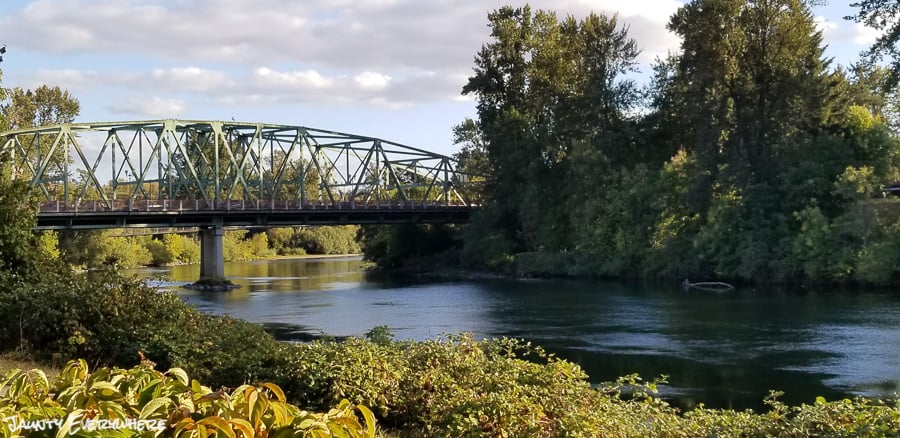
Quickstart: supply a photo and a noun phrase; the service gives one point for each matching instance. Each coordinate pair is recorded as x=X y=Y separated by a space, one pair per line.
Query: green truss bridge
x=214 y=174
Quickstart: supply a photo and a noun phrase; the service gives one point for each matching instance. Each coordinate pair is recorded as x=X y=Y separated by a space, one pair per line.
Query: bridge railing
x=190 y=205
x=222 y=161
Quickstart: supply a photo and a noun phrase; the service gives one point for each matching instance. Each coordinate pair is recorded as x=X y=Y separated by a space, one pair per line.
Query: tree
x=20 y=248
x=545 y=86
x=472 y=157
x=882 y=15
x=40 y=107
x=768 y=134
x=4 y=122
x=750 y=83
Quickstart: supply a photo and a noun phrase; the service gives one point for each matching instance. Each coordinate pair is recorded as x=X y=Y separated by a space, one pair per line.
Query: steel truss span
x=184 y=172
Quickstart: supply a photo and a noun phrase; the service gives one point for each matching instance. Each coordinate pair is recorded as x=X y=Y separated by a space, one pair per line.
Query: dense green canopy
x=747 y=157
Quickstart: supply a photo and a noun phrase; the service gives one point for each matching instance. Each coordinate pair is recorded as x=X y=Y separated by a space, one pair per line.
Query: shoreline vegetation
x=97 y=249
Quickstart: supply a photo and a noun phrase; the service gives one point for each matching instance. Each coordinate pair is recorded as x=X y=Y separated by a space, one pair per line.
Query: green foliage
x=159 y=254
x=755 y=162
x=339 y=239
x=174 y=248
x=487 y=242
x=327 y=240
x=169 y=404
x=281 y=242
x=502 y=387
x=882 y=15
x=124 y=252
x=42 y=106
x=879 y=259
x=239 y=245
x=818 y=247
x=95 y=249
x=410 y=246
x=545 y=85
x=456 y=387
x=17 y=246
x=47 y=245
x=108 y=319
x=380 y=335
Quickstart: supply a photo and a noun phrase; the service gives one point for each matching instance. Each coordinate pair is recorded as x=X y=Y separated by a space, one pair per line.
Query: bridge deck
x=195 y=213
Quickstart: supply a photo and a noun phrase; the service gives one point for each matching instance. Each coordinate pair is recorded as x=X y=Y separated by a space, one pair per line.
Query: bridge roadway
x=59 y=215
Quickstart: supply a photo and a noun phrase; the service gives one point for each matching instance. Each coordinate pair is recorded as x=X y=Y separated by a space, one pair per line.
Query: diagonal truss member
x=214 y=164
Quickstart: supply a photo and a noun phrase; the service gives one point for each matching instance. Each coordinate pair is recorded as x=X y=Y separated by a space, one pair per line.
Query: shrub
x=237 y=246
x=451 y=387
x=457 y=386
x=327 y=240
x=160 y=254
x=167 y=403
x=108 y=319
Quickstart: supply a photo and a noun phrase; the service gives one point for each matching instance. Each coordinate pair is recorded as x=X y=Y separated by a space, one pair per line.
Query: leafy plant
x=166 y=403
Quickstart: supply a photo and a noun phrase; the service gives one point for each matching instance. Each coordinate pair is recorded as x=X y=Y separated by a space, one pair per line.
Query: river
x=726 y=350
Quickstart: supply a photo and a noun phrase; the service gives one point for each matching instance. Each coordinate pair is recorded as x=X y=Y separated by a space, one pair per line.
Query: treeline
x=92 y=249
x=747 y=157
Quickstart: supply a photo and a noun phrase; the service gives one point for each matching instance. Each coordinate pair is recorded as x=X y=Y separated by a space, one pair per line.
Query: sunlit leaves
x=173 y=404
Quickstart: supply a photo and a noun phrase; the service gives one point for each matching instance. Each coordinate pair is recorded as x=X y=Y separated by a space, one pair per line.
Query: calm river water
x=723 y=349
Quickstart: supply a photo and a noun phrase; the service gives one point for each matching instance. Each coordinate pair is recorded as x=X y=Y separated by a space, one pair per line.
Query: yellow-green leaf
x=243 y=426
x=279 y=394
x=370 y=420
x=180 y=374
x=218 y=423
x=154 y=406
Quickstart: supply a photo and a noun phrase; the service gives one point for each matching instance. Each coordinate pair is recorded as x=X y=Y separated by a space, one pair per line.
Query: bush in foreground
x=107 y=319
x=460 y=387
x=145 y=402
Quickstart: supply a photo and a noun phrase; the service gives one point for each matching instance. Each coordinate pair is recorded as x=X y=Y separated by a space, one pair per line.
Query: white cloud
x=190 y=78
x=646 y=20
x=372 y=81
x=376 y=35
x=308 y=79
x=845 y=32
x=864 y=35
x=388 y=53
x=153 y=107
x=70 y=79
x=825 y=25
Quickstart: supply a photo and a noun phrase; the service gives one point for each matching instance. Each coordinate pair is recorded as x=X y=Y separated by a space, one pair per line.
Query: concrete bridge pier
x=212 y=254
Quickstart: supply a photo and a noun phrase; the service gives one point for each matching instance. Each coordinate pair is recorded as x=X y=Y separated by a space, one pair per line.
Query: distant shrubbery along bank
x=94 y=249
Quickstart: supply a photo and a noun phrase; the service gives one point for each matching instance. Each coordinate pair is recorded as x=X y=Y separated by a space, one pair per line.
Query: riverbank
x=723 y=349
x=460 y=384
x=575 y=266
x=313 y=257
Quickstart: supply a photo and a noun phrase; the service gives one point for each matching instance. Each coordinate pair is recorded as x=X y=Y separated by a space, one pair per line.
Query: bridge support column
x=212 y=254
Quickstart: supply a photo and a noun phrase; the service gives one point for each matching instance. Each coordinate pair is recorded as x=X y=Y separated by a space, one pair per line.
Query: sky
x=392 y=69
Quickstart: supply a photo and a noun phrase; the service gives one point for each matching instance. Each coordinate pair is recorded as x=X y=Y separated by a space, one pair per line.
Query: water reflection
x=725 y=349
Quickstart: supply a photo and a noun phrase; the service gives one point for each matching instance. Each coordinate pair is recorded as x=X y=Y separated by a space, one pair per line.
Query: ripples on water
x=724 y=349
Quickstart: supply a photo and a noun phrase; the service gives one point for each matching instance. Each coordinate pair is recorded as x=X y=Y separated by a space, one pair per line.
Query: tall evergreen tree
x=546 y=88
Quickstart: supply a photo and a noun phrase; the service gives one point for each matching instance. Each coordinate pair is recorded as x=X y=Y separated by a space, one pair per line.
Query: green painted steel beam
x=219 y=162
